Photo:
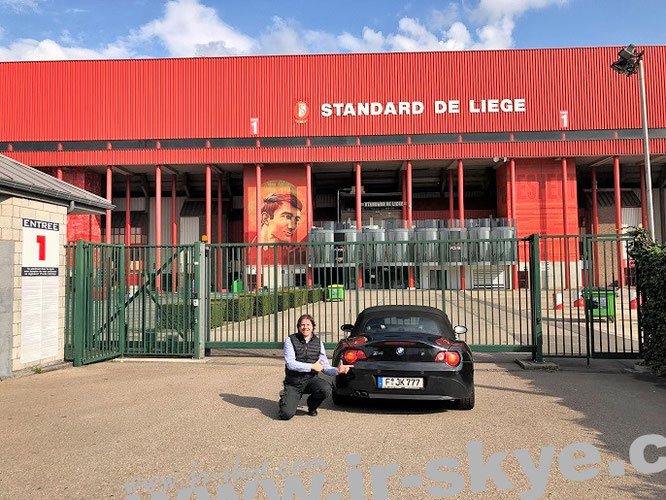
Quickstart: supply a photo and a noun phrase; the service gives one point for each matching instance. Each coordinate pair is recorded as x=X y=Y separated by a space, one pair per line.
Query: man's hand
x=342 y=368
x=317 y=367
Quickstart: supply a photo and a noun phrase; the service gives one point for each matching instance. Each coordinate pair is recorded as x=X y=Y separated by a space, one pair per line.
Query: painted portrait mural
x=282 y=211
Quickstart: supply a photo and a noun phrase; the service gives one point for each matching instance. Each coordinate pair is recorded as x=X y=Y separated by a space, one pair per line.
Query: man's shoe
x=312 y=413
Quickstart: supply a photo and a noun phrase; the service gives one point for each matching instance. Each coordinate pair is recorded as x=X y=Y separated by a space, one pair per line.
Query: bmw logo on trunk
x=400 y=351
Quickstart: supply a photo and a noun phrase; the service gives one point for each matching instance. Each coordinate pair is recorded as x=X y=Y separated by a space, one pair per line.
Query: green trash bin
x=335 y=293
x=600 y=302
x=237 y=286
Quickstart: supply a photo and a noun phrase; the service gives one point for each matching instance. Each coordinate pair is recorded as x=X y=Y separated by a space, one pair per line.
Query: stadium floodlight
x=630 y=61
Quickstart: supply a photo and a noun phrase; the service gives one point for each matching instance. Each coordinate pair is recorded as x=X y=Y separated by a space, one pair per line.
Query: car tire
x=465 y=403
x=340 y=400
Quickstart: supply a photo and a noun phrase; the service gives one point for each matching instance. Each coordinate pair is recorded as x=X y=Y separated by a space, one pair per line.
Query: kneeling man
x=305 y=358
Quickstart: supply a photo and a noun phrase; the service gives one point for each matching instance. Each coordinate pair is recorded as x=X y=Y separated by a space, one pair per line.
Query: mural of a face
x=280 y=217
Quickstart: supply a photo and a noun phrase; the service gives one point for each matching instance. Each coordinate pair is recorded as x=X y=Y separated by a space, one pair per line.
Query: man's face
x=282 y=227
x=306 y=328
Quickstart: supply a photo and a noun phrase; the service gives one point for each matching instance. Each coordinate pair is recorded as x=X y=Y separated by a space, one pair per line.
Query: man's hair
x=306 y=316
x=274 y=200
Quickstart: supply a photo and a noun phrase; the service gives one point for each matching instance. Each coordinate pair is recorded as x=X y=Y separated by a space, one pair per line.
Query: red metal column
x=109 y=198
x=128 y=232
x=643 y=199
x=219 y=231
x=403 y=175
x=409 y=214
x=618 y=216
x=512 y=174
x=158 y=225
x=409 y=195
x=257 y=199
x=565 y=214
x=174 y=234
x=359 y=215
x=308 y=187
x=174 y=215
x=209 y=202
x=595 y=225
x=310 y=212
x=451 y=217
x=357 y=170
x=128 y=213
x=59 y=173
x=461 y=213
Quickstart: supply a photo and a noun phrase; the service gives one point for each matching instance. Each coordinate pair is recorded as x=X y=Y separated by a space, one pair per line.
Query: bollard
x=633 y=303
x=559 y=304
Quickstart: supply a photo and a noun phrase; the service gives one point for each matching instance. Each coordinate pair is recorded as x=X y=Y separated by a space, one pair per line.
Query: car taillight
x=443 y=341
x=451 y=358
x=352 y=356
x=357 y=341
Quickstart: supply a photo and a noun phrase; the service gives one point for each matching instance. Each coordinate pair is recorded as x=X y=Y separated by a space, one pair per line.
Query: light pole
x=630 y=60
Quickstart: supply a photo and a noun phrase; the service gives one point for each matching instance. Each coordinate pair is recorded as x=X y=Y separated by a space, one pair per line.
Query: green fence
x=548 y=295
x=270 y=286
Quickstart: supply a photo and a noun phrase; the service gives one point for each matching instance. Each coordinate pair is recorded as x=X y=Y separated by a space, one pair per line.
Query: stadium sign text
x=473 y=106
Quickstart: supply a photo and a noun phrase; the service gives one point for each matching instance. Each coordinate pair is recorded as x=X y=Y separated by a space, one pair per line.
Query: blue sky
x=89 y=29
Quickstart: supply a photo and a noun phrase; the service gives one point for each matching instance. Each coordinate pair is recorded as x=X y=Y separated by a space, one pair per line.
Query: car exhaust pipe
x=360 y=394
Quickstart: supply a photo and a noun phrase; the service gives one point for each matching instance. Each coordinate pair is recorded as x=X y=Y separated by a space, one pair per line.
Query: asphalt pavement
x=91 y=432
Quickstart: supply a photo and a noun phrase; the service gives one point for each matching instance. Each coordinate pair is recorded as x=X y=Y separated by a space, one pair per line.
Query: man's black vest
x=306 y=352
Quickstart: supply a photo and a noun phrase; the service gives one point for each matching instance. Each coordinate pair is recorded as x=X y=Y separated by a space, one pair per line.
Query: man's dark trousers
x=318 y=389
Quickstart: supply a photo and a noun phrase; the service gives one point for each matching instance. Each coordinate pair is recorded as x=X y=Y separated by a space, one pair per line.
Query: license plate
x=399 y=383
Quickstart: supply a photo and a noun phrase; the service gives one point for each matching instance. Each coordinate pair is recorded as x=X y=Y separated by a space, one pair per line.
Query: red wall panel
x=216 y=97
x=539 y=205
x=86 y=227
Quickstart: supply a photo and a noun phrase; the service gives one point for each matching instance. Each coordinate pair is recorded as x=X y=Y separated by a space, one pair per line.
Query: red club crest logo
x=301 y=111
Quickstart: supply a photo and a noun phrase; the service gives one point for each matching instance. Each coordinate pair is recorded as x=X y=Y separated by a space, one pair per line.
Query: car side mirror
x=347 y=327
x=460 y=330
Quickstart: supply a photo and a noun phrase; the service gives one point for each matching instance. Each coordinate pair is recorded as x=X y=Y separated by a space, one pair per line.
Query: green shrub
x=224 y=309
x=651 y=276
x=241 y=307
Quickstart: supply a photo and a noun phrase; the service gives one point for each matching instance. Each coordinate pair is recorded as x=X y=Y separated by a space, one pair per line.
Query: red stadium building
x=550 y=139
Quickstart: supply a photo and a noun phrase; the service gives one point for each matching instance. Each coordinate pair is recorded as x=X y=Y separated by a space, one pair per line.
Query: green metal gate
x=587 y=273
x=130 y=301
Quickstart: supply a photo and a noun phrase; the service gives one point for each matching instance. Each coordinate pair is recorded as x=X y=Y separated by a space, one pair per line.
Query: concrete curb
x=526 y=364
x=51 y=367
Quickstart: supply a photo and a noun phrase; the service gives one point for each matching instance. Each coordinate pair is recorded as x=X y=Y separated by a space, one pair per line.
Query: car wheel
x=340 y=400
x=466 y=403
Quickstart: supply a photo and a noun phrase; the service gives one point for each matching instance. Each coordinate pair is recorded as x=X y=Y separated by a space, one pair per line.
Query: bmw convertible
x=404 y=352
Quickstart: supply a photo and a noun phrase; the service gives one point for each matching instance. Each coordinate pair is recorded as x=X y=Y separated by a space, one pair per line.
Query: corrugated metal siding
x=166 y=219
x=632 y=217
x=336 y=154
x=189 y=230
x=216 y=97
x=137 y=203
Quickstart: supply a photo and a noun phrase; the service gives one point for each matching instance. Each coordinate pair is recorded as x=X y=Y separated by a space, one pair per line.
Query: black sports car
x=404 y=352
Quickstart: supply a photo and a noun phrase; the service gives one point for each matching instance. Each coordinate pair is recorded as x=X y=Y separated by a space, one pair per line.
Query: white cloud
x=494 y=9
x=458 y=37
x=26 y=49
x=370 y=41
x=188 y=28
x=19 y=5
x=440 y=19
x=283 y=37
x=499 y=18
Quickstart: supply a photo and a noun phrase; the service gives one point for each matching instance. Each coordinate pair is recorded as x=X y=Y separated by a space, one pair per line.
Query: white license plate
x=399 y=383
